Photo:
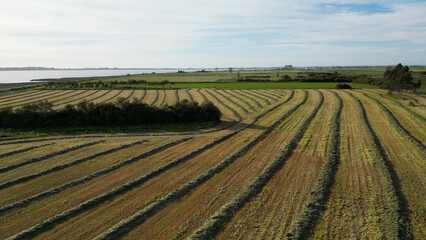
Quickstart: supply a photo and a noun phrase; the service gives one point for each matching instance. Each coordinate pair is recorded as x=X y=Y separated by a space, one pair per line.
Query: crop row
x=25 y=100
x=127 y=224
x=393 y=189
x=23 y=150
x=254 y=97
x=398 y=127
x=189 y=95
x=320 y=194
x=61 y=167
x=238 y=96
x=215 y=223
x=237 y=116
x=222 y=94
x=53 y=191
x=50 y=155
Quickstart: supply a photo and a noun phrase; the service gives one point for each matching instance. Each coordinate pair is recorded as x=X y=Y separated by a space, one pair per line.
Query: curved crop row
x=249 y=96
x=267 y=96
x=23 y=150
x=44 y=96
x=177 y=95
x=73 y=99
x=215 y=223
x=321 y=192
x=155 y=98
x=397 y=199
x=400 y=129
x=53 y=191
x=226 y=106
x=235 y=95
x=413 y=113
x=135 y=183
x=201 y=94
x=126 y=225
x=112 y=97
x=189 y=95
x=47 y=156
x=61 y=167
x=163 y=99
x=254 y=96
x=18 y=96
x=231 y=101
x=103 y=94
x=143 y=96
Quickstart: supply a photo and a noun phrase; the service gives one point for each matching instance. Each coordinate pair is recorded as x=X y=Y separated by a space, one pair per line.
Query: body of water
x=28 y=75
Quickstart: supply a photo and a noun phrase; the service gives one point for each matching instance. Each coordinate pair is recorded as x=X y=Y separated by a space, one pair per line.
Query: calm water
x=26 y=76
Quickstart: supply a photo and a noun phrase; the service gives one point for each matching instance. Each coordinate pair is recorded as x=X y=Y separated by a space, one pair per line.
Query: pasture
x=285 y=163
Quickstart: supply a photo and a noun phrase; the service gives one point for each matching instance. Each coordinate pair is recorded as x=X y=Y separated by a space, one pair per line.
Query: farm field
x=286 y=164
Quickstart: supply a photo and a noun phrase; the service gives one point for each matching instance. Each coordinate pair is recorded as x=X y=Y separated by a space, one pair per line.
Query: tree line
x=120 y=112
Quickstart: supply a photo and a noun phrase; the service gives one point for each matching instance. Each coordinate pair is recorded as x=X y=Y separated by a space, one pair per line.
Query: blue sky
x=201 y=33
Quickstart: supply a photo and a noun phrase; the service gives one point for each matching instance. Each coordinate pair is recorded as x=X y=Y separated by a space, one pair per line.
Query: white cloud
x=178 y=33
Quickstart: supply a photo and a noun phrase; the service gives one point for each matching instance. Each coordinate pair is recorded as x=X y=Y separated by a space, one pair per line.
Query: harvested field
x=297 y=164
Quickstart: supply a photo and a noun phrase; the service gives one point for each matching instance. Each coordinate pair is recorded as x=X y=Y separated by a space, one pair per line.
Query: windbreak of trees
x=121 y=112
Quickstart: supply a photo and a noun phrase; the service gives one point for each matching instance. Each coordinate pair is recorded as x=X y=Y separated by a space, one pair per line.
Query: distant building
x=288 y=67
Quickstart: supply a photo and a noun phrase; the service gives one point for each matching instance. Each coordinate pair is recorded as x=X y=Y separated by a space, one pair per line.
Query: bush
x=343 y=86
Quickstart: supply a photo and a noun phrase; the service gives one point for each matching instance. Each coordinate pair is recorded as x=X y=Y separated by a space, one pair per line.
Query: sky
x=220 y=33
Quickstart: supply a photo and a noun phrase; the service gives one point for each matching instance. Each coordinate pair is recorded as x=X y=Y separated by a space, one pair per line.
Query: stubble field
x=294 y=164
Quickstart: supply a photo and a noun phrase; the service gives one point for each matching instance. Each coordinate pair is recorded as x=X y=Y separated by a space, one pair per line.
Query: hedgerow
x=121 y=112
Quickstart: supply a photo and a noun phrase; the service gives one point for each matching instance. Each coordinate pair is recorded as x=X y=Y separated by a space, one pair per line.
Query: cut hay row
x=72 y=94
x=305 y=223
x=202 y=95
x=407 y=168
x=161 y=98
x=189 y=95
x=40 y=97
x=395 y=195
x=216 y=222
x=268 y=97
x=409 y=110
x=359 y=174
x=103 y=93
x=397 y=125
x=252 y=99
x=123 y=94
x=118 y=92
x=150 y=190
x=72 y=98
x=142 y=215
x=13 y=95
x=8 y=154
x=241 y=98
x=155 y=99
x=35 y=95
x=57 y=190
x=269 y=214
x=256 y=97
x=229 y=102
x=177 y=95
x=222 y=105
x=227 y=98
x=64 y=166
x=143 y=94
x=47 y=156
x=93 y=97
x=20 y=96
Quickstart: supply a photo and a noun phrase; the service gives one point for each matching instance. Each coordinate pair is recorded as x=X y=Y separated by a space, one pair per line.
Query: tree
x=398 y=78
